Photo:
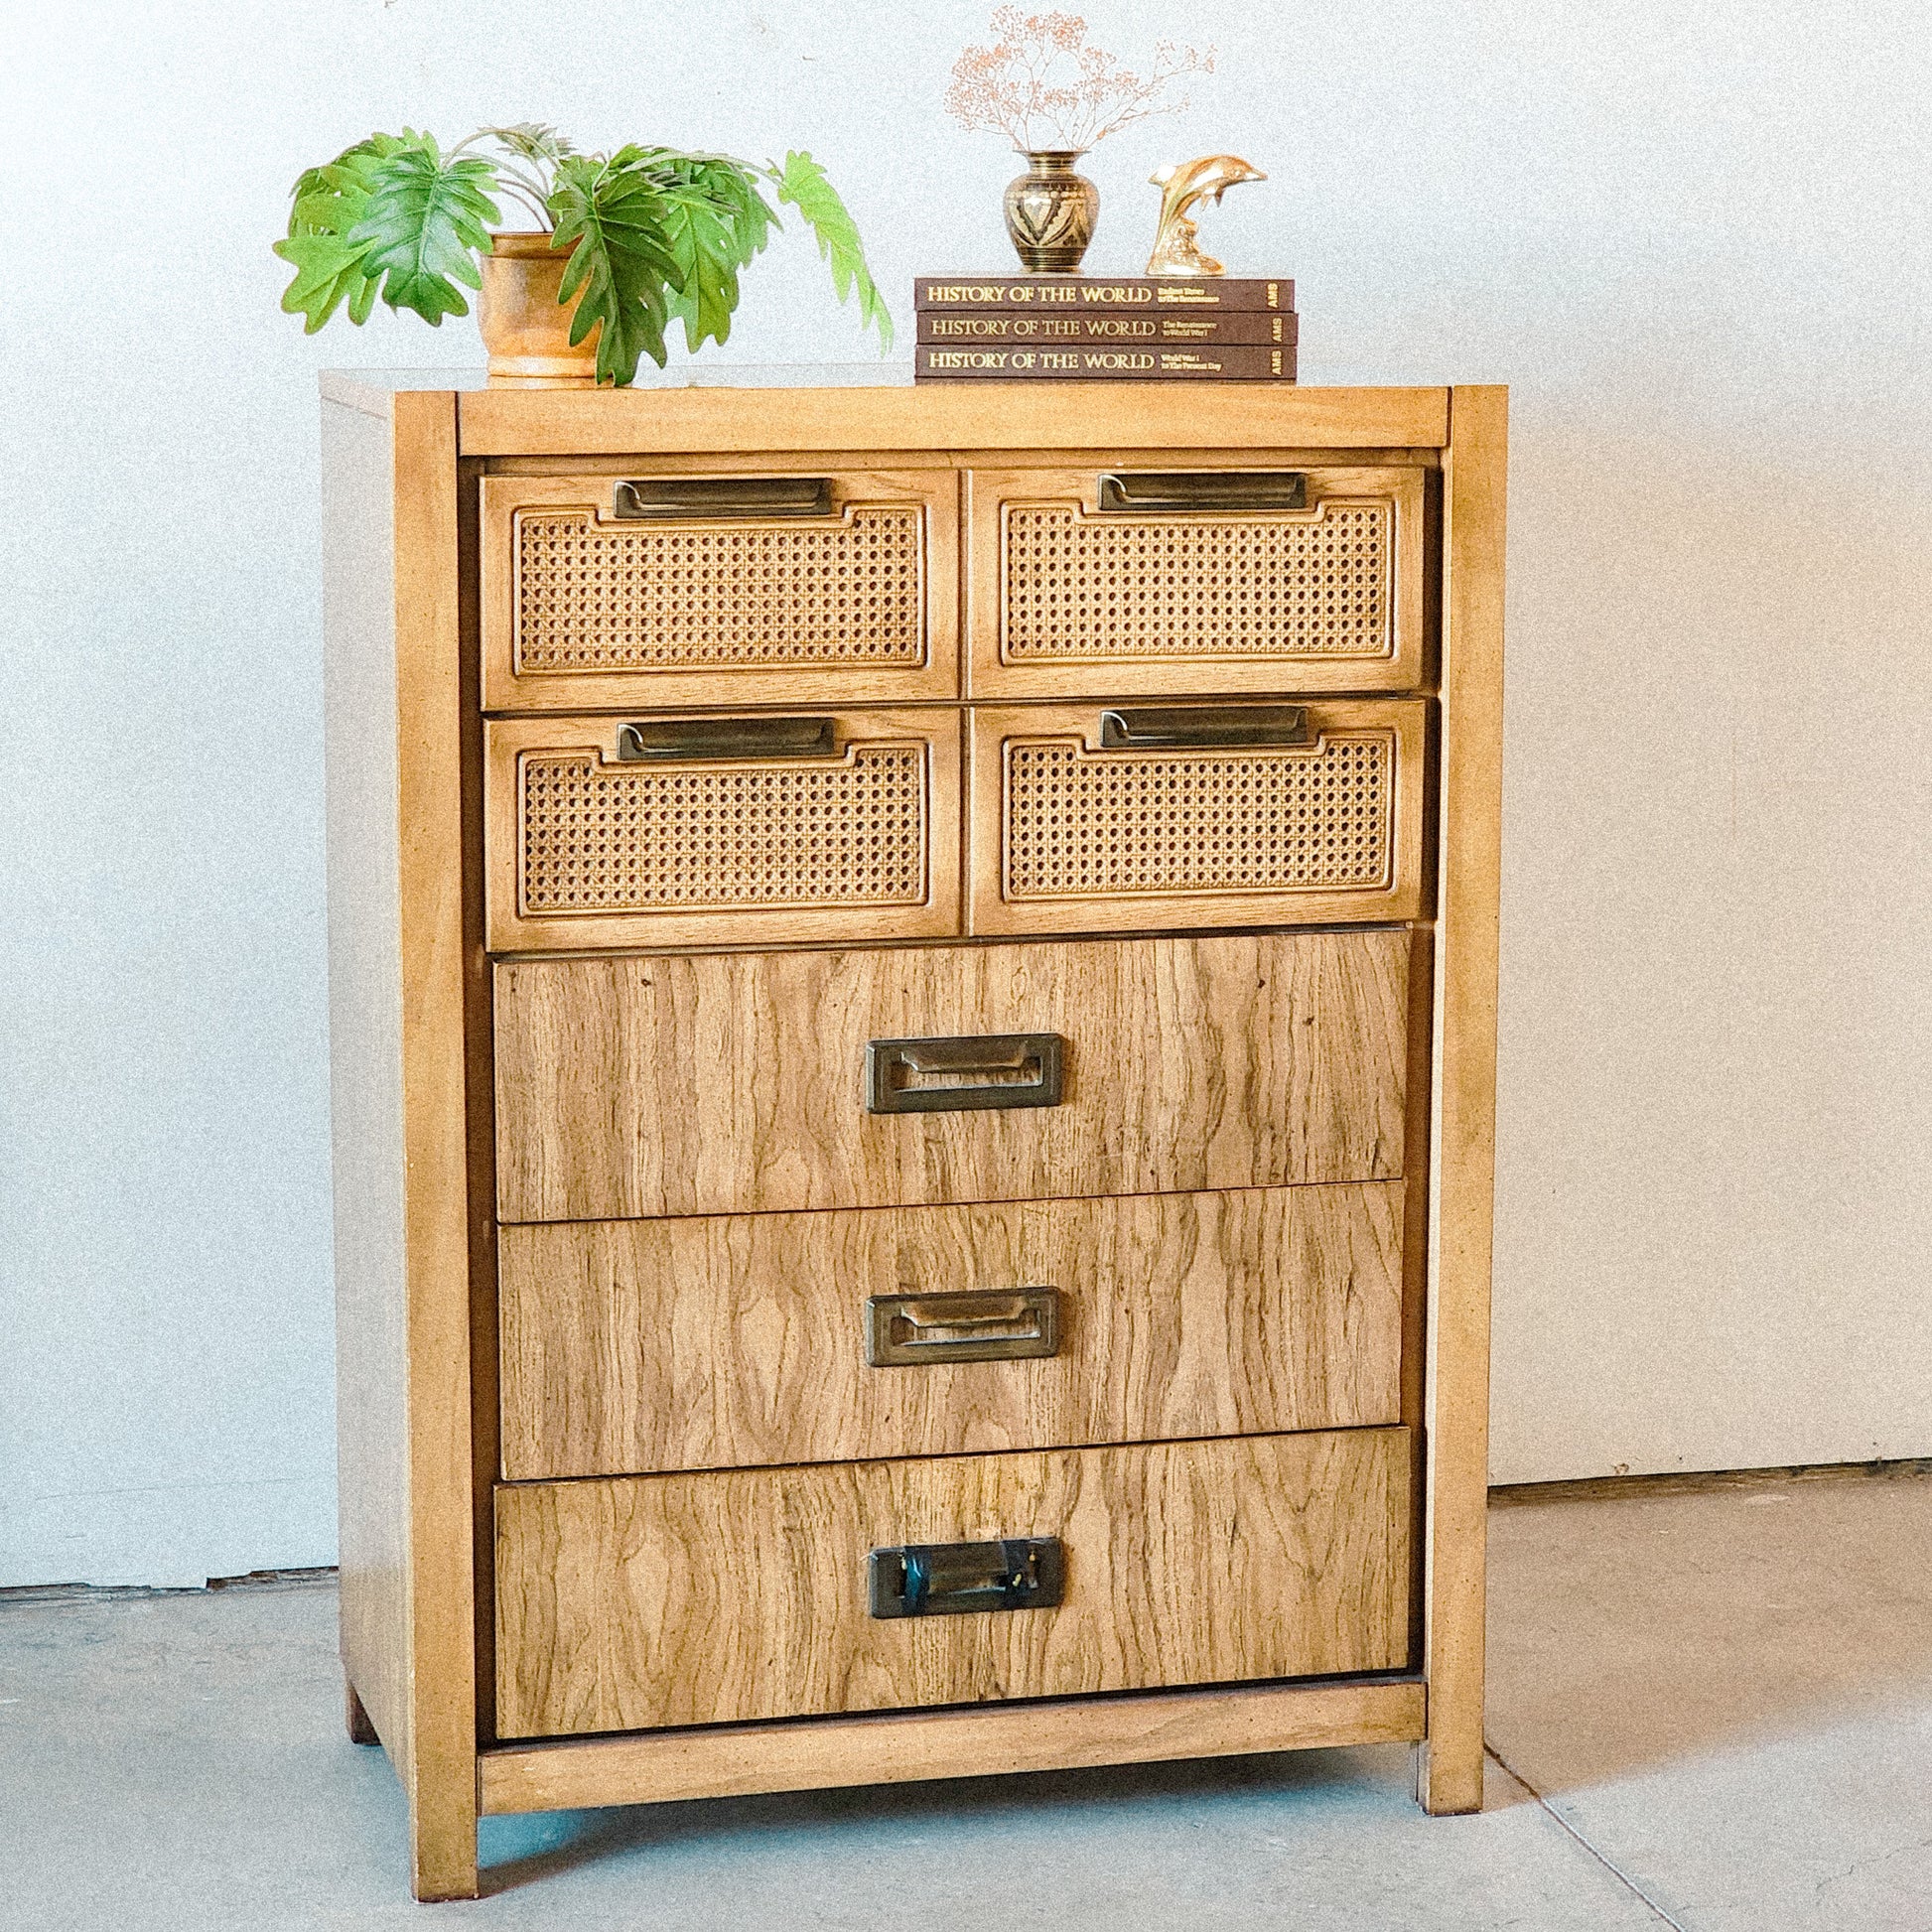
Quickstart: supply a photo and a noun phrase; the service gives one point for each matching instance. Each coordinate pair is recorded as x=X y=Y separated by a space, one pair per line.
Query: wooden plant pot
x=525 y=328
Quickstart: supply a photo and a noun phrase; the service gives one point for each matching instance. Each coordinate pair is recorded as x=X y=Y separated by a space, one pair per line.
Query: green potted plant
x=625 y=244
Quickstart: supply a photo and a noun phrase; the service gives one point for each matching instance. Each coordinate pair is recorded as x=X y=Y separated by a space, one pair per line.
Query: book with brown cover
x=1250 y=362
x=1086 y=293
x=1054 y=329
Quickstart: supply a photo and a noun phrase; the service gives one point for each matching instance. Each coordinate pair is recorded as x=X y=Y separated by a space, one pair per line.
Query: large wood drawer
x=1086 y=819
x=690 y=1599
x=637 y=1346
x=735 y=1083
x=698 y=830
x=601 y=589
x=1106 y=583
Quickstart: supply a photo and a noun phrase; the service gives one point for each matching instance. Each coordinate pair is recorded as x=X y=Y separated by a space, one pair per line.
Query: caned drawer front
x=634 y=1602
x=775 y=588
x=1250 y=814
x=686 y=830
x=1103 y=583
x=723 y=1083
x=636 y=1346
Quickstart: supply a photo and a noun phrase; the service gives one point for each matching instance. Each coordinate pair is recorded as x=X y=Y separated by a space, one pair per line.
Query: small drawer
x=631 y=1347
x=1113 y=583
x=638 y=1602
x=1090 y=819
x=702 y=830
x=736 y=1084
x=778 y=587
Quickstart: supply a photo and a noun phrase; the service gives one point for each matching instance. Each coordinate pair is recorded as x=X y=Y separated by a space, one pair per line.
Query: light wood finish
x=678 y=1599
x=635 y=1346
x=1065 y=600
x=399 y=1106
x=859 y=607
x=899 y=1748
x=1069 y=837
x=992 y=417
x=722 y=1083
x=584 y=850
x=712 y=1102
x=1464 y=1086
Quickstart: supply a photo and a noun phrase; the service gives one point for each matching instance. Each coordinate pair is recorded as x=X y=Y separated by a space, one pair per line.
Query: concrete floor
x=1710 y=1710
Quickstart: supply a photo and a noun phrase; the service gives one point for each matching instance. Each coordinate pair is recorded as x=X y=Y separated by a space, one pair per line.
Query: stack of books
x=1103 y=329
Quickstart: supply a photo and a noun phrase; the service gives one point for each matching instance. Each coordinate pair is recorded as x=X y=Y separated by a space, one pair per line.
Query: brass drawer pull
x=1206 y=490
x=978 y=1070
x=1017 y=1572
x=728 y=738
x=1205 y=725
x=722 y=497
x=971 y=1325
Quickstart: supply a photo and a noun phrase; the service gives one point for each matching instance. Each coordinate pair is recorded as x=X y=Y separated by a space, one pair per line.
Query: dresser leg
x=361 y=1730
x=1449 y=1776
x=443 y=1830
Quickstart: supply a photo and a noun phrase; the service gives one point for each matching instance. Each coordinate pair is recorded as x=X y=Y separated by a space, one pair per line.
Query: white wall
x=1694 y=240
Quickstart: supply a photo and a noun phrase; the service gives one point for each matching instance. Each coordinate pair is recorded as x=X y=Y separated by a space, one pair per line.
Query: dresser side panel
x=365 y=1063
x=1465 y=1125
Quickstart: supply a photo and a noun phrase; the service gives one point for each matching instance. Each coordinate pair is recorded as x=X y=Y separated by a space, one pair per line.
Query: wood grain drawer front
x=1078 y=587
x=605 y=591
x=693 y=1600
x=735 y=1083
x=754 y=841
x=1072 y=832
x=637 y=1346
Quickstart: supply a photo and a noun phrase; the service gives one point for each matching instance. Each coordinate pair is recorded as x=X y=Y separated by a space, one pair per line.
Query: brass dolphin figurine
x=1181 y=185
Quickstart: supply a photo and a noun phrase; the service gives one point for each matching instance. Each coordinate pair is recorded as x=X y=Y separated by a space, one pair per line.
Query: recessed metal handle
x=942 y=1077
x=1206 y=490
x=1017 y=1572
x=968 y=1324
x=722 y=497
x=1205 y=725
x=727 y=738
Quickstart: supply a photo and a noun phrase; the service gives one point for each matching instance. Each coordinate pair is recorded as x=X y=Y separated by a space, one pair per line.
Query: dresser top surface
x=751 y=407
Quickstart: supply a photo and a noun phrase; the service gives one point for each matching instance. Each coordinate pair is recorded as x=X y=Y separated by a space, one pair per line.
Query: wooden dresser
x=912 y=989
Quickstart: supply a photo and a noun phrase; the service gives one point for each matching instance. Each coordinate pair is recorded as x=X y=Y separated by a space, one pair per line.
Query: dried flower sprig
x=1044 y=88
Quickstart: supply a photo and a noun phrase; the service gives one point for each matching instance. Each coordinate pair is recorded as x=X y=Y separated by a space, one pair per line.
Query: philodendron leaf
x=715 y=222
x=425 y=223
x=611 y=212
x=329 y=202
x=533 y=140
x=802 y=183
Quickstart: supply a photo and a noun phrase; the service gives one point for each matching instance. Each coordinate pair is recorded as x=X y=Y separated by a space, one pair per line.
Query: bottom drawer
x=709 y=1599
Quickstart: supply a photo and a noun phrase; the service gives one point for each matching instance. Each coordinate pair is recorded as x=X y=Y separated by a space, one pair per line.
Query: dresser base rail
x=903 y=1746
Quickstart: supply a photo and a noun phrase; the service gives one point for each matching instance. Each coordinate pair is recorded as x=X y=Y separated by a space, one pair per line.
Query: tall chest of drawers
x=912 y=986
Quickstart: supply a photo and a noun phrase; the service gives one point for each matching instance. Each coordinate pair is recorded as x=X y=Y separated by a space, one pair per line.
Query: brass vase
x=1050 y=211
x=525 y=329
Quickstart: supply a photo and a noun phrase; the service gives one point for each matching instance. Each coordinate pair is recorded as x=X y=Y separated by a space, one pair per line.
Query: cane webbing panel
x=1086 y=587
x=620 y=838
x=616 y=597
x=1084 y=824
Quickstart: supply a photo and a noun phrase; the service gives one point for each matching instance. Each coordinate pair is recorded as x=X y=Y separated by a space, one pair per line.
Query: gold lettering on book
x=1114 y=292
x=993 y=294
x=972 y=358
x=1118 y=360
